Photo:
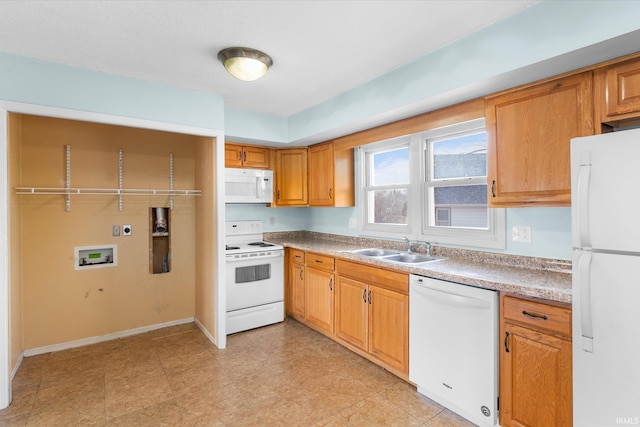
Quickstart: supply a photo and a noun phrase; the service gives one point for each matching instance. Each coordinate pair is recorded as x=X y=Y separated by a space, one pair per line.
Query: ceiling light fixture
x=245 y=63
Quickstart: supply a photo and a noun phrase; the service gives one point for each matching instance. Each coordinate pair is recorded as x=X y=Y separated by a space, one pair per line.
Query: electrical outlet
x=353 y=223
x=521 y=233
x=116 y=230
x=126 y=230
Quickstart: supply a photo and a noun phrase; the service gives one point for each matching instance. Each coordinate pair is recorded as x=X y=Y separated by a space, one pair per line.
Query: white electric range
x=254 y=277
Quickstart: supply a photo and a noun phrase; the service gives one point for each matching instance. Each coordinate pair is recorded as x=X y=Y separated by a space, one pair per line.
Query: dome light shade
x=245 y=63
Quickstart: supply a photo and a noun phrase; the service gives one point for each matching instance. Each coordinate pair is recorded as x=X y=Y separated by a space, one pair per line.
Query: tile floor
x=279 y=375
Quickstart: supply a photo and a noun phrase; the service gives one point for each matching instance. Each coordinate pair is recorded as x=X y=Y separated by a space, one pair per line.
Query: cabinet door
x=528 y=141
x=291 y=177
x=321 y=175
x=255 y=157
x=389 y=327
x=621 y=90
x=535 y=379
x=232 y=155
x=319 y=298
x=351 y=312
x=296 y=276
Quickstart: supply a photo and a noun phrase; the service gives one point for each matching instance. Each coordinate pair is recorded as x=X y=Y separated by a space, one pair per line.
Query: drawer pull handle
x=506 y=342
x=319 y=260
x=535 y=316
x=364 y=295
x=301 y=277
x=493 y=188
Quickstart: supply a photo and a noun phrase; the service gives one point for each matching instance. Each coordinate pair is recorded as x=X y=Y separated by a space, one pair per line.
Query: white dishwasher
x=453 y=349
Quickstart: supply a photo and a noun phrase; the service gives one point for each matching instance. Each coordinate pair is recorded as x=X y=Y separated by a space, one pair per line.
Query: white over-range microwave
x=248 y=185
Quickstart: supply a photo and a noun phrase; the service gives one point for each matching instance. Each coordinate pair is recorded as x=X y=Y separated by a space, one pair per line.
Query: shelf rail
x=67 y=190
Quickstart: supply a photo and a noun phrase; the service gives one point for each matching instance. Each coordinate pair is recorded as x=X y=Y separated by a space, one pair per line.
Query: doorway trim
x=7 y=107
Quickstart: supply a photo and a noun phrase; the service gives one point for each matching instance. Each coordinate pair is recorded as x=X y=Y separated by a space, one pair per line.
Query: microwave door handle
x=259 y=185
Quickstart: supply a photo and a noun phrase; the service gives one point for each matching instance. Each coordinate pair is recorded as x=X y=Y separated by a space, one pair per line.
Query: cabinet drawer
x=373 y=275
x=538 y=315
x=297 y=256
x=321 y=262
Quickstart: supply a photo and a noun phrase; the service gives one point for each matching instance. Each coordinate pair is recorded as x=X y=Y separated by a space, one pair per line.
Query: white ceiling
x=319 y=48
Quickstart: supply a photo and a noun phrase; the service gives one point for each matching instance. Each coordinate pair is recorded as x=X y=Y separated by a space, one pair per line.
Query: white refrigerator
x=605 y=213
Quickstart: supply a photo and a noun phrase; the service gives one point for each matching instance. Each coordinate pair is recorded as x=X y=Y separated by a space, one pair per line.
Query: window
x=386 y=189
x=431 y=186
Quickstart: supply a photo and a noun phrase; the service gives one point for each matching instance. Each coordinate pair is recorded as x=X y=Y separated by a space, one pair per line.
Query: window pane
x=460 y=206
x=388 y=206
x=463 y=156
x=391 y=167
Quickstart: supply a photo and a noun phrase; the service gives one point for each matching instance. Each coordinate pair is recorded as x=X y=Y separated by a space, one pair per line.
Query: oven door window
x=253 y=273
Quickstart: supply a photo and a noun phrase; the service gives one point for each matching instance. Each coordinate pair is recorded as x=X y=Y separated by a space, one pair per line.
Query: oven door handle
x=274 y=254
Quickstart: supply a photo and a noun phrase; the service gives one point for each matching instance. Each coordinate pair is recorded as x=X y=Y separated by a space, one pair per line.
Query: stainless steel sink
x=375 y=252
x=409 y=258
x=396 y=256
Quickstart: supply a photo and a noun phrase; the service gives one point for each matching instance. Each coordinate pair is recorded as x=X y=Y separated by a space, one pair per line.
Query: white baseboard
x=17 y=366
x=108 y=337
x=206 y=333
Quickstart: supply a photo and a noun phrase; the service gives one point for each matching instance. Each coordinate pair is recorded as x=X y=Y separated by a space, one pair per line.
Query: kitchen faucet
x=427 y=248
x=407 y=242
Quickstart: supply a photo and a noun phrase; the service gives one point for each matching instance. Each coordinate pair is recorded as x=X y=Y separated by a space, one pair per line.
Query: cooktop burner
x=229 y=248
x=261 y=244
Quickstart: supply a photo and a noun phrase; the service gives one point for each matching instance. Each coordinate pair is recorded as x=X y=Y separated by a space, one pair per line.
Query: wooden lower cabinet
x=370 y=318
x=319 y=298
x=374 y=320
x=535 y=364
x=352 y=312
x=296 y=275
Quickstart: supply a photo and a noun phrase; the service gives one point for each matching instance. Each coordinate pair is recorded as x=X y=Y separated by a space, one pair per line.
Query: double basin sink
x=396 y=256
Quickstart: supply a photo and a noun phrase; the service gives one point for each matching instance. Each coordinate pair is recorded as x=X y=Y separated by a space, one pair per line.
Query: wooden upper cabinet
x=618 y=92
x=331 y=176
x=529 y=131
x=291 y=177
x=246 y=156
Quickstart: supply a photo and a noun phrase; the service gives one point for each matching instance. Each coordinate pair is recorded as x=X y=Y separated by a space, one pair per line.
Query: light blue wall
x=273 y=219
x=51 y=84
x=244 y=126
x=544 y=40
x=550 y=227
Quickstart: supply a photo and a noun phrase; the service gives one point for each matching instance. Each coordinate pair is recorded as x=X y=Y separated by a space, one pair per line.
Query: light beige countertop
x=528 y=276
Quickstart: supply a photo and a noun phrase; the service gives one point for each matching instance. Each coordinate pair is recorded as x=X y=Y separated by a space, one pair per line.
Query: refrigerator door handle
x=584 y=279
x=584 y=177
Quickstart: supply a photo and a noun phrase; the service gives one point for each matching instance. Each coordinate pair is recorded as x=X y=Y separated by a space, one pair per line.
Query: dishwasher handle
x=449 y=298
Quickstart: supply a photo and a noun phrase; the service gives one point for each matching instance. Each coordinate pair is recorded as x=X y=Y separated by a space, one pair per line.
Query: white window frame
x=365 y=163
x=494 y=235
x=418 y=212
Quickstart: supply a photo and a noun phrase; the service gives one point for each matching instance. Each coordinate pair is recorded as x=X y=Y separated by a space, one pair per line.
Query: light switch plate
x=116 y=231
x=521 y=233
